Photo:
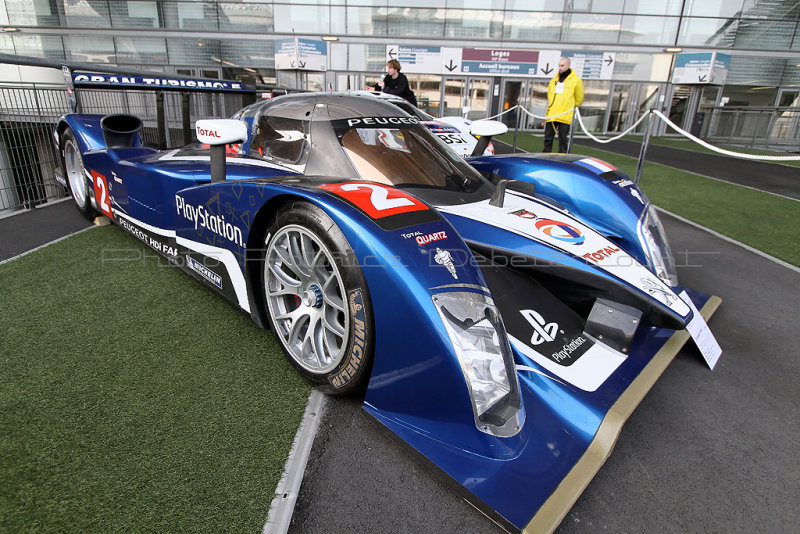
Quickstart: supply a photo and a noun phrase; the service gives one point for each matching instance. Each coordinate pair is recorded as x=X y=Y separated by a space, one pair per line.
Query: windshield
x=409 y=157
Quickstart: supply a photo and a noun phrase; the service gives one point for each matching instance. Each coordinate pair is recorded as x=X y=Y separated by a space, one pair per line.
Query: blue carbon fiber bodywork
x=417 y=387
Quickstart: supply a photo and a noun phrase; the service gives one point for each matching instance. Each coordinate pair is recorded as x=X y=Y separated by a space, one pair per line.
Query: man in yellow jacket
x=564 y=93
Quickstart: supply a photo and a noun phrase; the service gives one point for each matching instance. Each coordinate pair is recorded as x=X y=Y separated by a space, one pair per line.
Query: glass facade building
x=236 y=39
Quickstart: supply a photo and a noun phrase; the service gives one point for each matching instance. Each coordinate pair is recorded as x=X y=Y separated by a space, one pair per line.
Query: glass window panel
x=141 y=50
x=6 y=44
x=197 y=16
x=596 y=6
x=474 y=24
x=769 y=34
x=304 y=19
x=645 y=67
x=749 y=96
x=358 y=21
x=535 y=5
x=418 y=3
x=87 y=13
x=376 y=59
x=791 y=76
x=94 y=50
x=245 y=17
x=31 y=13
x=412 y=22
x=46 y=46
x=482 y=4
x=252 y=54
x=712 y=8
x=532 y=26
x=591 y=28
x=648 y=30
x=653 y=7
x=705 y=32
x=755 y=71
x=194 y=52
x=134 y=14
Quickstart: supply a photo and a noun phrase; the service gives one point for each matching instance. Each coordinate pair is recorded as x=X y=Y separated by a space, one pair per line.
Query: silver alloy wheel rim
x=306 y=299
x=74 y=170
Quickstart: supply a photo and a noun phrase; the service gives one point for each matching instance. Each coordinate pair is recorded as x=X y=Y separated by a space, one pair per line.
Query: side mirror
x=484 y=130
x=217 y=133
x=465 y=111
x=487 y=128
x=220 y=131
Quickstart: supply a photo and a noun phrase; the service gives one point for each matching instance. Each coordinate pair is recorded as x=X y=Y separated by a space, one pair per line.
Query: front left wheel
x=317 y=299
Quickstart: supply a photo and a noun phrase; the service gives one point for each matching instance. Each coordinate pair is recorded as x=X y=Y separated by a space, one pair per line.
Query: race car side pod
x=218 y=133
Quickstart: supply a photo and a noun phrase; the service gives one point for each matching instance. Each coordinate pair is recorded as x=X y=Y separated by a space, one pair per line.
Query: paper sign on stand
x=701 y=333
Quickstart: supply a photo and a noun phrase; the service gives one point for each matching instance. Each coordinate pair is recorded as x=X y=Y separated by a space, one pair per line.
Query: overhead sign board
x=592 y=65
x=87 y=79
x=499 y=62
x=301 y=54
x=701 y=68
x=416 y=59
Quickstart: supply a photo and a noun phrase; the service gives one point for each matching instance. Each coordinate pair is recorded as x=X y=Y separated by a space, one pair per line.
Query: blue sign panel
x=85 y=79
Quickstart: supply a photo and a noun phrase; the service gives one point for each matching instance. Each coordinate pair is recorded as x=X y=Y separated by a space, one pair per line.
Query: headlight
x=654 y=241
x=480 y=343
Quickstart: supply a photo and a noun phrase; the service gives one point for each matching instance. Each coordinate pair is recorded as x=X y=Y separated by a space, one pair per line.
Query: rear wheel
x=75 y=172
x=317 y=299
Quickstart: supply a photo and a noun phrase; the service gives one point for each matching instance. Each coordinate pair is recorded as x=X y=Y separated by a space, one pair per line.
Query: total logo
x=207 y=132
x=543 y=332
x=561 y=231
x=601 y=254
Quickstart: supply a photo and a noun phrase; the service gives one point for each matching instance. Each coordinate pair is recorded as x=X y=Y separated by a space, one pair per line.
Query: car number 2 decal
x=376 y=200
x=101 y=192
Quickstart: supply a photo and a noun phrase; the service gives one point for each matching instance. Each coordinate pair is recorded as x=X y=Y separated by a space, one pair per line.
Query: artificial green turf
x=686 y=144
x=763 y=221
x=132 y=398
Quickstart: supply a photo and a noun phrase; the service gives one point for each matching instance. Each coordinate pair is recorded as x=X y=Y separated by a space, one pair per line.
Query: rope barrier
x=661 y=116
x=597 y=139
x=709 y=146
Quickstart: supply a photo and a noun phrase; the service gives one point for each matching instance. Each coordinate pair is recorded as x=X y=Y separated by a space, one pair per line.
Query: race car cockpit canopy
x=359 y=137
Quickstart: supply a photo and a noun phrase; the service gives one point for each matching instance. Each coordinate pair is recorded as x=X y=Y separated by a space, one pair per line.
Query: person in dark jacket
x=396 y=83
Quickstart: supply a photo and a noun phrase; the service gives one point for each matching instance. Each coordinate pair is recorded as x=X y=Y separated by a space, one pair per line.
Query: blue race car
x=504 y=314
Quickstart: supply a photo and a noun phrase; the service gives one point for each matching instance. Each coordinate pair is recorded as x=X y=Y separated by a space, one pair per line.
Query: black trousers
x=550 y=133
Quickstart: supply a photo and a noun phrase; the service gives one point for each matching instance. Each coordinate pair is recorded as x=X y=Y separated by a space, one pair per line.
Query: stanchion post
x=161 y=121
x=571 y=135
x=643 y=150
x=187 y=120
x=516 y=128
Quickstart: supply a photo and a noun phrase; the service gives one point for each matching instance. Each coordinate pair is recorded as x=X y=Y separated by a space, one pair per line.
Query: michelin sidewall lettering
x=358 y=346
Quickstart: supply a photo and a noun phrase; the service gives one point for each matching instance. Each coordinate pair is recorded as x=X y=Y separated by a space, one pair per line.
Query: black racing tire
x=80 y=187
x=317 y=299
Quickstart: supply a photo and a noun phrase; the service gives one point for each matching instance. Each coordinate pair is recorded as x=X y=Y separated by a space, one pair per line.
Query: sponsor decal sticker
x=545 y=333
x=382 y=121
x=601 y=254
x=430 y=238
x=444 y=258
x=358 y=341
x=655 y=289
x=561 y=231
x=595 y=165
x=202 y=218
x=541 y=332
x=524 y=214
x=622 y=182
x=377 y=201
x=204 y=271
x=637 y=195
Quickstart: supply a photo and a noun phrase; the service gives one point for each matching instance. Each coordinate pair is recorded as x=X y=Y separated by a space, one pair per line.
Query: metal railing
x=28 y=158
x=755 y=127
x=29 y=113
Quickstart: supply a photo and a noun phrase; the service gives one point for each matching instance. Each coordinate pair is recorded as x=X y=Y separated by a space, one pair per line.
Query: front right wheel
x=317 y=299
